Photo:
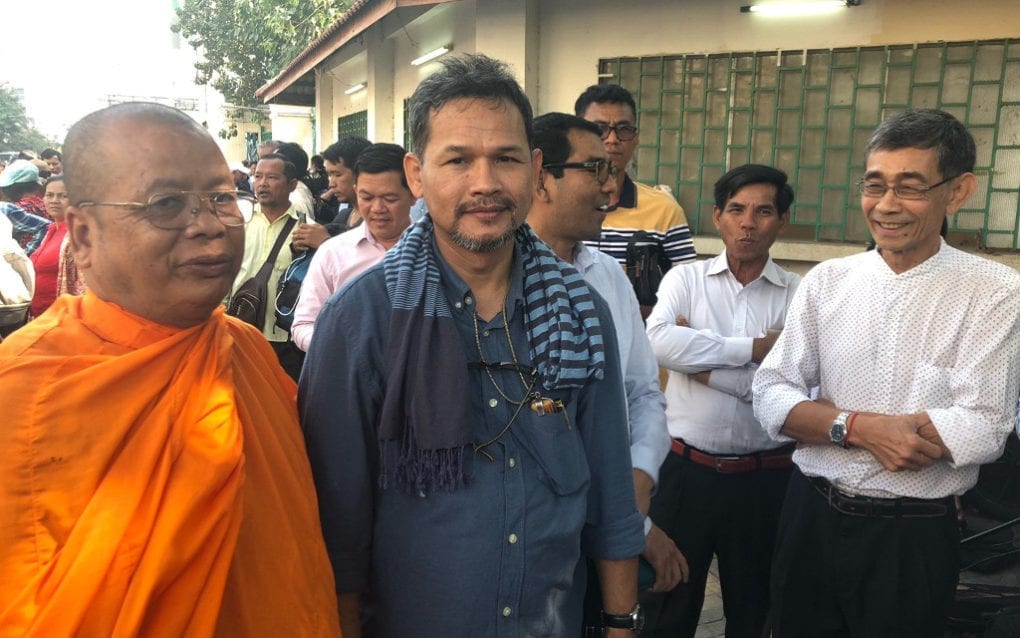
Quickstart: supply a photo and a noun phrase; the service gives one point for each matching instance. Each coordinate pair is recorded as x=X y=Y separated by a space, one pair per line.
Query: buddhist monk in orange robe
x=153 y=476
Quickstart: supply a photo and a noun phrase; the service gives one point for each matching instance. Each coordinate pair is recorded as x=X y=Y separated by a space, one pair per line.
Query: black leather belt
x=777 y=459
x=902 y=507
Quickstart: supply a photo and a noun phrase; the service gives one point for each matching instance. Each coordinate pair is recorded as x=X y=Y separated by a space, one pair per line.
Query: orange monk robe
x=154 y=482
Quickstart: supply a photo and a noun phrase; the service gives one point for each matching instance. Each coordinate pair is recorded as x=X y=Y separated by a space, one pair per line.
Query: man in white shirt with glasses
x=913 y=348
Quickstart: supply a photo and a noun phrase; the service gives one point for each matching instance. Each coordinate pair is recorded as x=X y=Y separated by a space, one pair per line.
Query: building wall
x=571 y=46
x=554 y=48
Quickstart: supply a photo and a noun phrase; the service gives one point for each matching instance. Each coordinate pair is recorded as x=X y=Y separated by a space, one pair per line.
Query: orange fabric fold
x=154 y=482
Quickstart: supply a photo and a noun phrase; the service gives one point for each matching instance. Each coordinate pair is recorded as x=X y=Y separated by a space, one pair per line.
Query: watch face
x=837 y=433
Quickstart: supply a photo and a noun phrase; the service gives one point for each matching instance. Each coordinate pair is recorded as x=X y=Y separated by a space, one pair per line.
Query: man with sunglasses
x=913 y=350
x=568 y=208
x=155 y=481
x=633 y=206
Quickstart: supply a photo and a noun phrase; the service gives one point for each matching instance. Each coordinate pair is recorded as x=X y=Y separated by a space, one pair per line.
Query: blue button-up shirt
x=499 y=556
x=29 y=229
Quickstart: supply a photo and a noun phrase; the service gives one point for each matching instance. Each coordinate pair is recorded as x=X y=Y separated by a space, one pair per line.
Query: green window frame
x=353 y=125
x=811 y=113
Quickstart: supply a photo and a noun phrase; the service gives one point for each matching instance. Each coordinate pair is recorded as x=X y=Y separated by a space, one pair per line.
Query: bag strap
x=267 y=267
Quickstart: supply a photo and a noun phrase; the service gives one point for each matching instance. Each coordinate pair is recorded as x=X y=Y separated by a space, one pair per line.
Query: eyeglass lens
x=624 y=132
x=176 y=210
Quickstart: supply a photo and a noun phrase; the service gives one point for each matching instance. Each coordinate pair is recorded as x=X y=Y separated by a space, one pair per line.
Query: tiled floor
x=712 y=623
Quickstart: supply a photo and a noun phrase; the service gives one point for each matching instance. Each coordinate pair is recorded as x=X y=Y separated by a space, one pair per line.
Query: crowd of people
x=485 y=388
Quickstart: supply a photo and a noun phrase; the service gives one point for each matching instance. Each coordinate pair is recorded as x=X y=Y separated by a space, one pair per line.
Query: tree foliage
x=244 y=43
x=17 y=132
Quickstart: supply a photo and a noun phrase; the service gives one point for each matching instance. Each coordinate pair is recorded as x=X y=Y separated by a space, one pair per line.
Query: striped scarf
x=424 y=426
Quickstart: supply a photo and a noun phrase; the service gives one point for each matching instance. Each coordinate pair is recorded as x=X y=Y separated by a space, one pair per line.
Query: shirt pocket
x=555 y=442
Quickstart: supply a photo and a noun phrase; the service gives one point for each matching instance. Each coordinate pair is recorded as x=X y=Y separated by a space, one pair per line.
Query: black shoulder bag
x=646 y=264
x=249 y=302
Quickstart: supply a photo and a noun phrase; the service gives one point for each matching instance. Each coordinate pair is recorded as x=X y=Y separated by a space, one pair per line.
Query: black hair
x=51 y=152
x=474 y=76
x=289 y=170
x=346 y=150
x=602 y=93
x=739 y=177
x=928 y=129
x=15 y=192
x=551 y=135
x=382 y=158
x=297 y=156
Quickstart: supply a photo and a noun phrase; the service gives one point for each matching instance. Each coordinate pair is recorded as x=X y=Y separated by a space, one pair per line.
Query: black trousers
x=837 y=575
x=731 y=516
x=290 y=356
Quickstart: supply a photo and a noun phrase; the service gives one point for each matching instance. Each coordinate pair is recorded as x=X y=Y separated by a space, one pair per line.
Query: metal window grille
x=353 y=125
x=811 y=113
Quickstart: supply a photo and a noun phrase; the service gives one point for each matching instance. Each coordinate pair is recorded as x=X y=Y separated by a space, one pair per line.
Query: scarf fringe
x=414 y=470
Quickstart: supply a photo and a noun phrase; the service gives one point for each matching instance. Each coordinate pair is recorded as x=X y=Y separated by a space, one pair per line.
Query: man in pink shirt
x=384 y=200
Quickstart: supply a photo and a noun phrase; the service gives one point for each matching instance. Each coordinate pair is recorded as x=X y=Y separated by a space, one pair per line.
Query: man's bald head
x=87 y=156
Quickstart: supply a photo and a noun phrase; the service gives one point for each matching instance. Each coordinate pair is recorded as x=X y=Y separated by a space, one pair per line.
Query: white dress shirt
x=940 y=338
x=649 y=440
x=303 y=201
x=724 y=317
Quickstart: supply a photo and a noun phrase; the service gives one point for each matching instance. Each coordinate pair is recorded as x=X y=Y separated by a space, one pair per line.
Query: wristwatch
x=634 y=621
x=837 y=431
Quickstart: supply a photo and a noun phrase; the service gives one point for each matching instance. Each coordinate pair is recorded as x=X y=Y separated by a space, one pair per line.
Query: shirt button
x=512 y=462
x=512 y=538
x=507 y=611
x=458 y=305
x=468 y=300
x=485 y=333
x=493 y=403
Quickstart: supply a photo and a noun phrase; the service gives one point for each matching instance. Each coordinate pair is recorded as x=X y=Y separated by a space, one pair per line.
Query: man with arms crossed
x=154 y=480
x=721 y=489
x=913 y=348
x=469 y=438
x=384 y=200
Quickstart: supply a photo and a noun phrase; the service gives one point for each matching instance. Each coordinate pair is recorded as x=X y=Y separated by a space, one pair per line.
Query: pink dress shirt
x=337 y=261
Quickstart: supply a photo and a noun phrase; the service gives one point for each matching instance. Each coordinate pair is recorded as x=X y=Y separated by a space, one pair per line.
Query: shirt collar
x=771 y=273
x=584 y=258
x=628 y=195
x=291 y=212
x=456 y=290
x=366 y=234
x=925 y=266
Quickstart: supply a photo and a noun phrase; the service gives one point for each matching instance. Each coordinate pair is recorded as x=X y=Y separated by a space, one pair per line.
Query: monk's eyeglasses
x=176 y=210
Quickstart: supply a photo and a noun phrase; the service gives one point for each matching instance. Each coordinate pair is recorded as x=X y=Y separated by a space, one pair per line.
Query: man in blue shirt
x=27 y=229
x=462 y=401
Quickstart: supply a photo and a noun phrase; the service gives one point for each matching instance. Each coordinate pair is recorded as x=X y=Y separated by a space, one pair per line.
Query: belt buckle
x=719 y=460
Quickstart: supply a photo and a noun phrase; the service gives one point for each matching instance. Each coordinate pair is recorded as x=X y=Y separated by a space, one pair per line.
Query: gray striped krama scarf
x=424 y=422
